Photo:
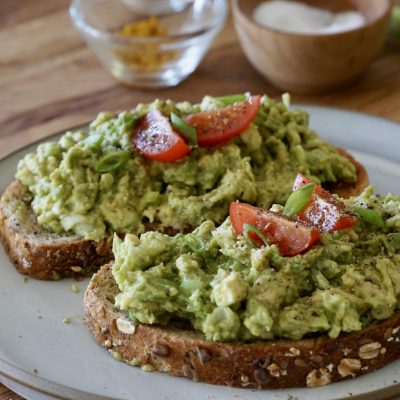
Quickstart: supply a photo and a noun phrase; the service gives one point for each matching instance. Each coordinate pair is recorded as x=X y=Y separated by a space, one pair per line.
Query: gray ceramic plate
x=43 y=358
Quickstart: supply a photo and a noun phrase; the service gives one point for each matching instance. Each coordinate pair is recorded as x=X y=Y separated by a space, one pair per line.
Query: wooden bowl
x=311 y=64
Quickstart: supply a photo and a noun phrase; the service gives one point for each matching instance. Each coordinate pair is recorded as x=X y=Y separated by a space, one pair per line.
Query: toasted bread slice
x=45 y=255
x=39 y=253
x=263 y=364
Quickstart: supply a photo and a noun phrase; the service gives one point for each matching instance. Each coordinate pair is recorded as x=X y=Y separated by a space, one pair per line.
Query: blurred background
x=50 y=80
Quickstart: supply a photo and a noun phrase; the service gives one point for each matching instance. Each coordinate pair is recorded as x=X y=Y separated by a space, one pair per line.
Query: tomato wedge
x=218 y=126
x=155 y=138
x=291 y=237
x=323 y=211
x=300 y=181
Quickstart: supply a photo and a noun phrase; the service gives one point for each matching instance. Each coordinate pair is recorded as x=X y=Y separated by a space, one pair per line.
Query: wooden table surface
x=50 y=81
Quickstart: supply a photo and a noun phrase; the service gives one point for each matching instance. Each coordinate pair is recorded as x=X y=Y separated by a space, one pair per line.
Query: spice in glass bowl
x=176 y=43
x=146 y=57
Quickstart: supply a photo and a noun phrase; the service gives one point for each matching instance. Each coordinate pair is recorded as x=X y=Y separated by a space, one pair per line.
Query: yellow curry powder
x=145 y=57
x=145 y=27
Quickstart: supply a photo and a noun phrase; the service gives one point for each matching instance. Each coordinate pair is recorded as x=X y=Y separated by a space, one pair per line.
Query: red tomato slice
x=155 y=138
x=323 y=211
x=218 y=126
x=291 y=237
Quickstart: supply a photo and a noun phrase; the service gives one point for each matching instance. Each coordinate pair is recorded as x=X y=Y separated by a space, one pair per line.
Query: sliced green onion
x=195 y=244
x=394 y=27
x=370 y=215
x=298 y=199
x=286 y=100
x=94 y=140
x=184 y=128
x=112 y=161
x=247 y=228
x=232 y=99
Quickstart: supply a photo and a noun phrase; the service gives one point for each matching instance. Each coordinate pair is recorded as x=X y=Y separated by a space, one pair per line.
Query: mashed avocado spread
x=230 y=291
x=71 y=195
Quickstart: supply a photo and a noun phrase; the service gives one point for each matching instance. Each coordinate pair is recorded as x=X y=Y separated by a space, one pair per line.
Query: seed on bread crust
x=319 y=377
x=204 y=355
x=299 y=362
x=161 y=350
x=346 y=351
x=317 y=358
x=190 y=372
x=125 y=326
x=395 y=330
x=274 y=370
x=293 y=352
x=260 y=375
x=369 y=351
x=349 y=366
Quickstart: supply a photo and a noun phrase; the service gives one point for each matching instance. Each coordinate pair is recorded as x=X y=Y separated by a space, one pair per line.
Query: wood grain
x=6 y=394
x=50 y=81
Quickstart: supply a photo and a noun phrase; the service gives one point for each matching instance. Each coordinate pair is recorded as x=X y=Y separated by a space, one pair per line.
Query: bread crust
x=262 y=364
x=44 y=255
x=41 y=254
x=347 y=189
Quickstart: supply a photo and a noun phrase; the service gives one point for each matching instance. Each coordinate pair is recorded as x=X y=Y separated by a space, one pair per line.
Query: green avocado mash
x=72 y=194
x=228 y=290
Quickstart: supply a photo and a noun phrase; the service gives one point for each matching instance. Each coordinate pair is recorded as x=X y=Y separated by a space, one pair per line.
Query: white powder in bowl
x=296 y=17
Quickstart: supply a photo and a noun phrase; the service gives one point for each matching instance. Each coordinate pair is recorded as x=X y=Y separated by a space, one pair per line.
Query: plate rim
x=50 y=388
x=31 y=381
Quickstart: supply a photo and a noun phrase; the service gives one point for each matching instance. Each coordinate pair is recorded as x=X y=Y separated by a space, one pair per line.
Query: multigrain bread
x=45 y=255
x=39 y=253
x=263 y=364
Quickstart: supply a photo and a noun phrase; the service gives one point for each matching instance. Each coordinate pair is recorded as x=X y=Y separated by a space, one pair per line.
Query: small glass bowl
x=149 y=61
x=157 y=6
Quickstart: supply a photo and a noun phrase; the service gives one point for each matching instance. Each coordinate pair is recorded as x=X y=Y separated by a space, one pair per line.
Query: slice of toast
x=263 y=364
x=39 y=253
x=45 y=255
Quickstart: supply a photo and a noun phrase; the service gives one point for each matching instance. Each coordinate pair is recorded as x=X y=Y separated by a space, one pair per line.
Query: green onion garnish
x=298 y=199
x=195 y=244
x=286 y=100
x=184 y=128
x=394 y=27
x=247 y=228
x=371 y=216
x=112 y=161
x=94 y=140
x=232 y=99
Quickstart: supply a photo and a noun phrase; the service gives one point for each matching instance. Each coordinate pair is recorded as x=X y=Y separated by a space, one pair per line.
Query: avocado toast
x=70 y=196
x=226 y=308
